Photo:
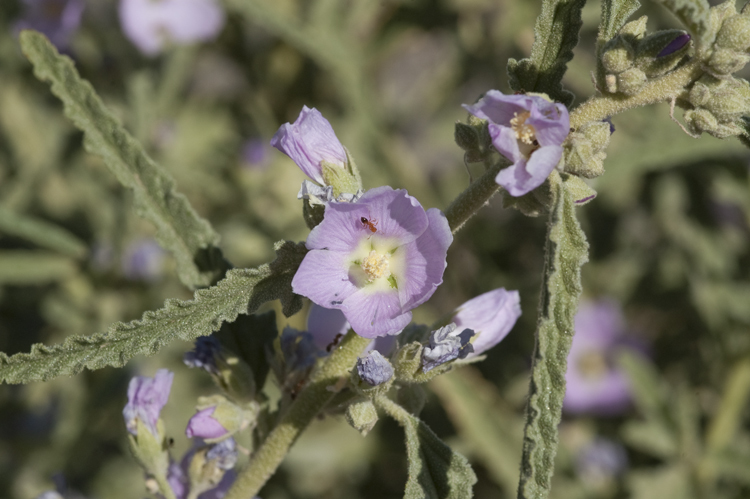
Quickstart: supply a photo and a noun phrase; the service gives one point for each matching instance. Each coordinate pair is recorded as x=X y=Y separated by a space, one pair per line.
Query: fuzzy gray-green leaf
x=555 y=37
x=694 y=14
x=34 y=267
x=567 y=251
x=615 y=14
x=242 y=291
x=190 y=238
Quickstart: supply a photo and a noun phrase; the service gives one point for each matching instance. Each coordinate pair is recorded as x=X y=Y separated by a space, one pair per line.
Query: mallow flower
x=491 y=316
x=528 y=130
x=594 y=384
x=310 y=141
x=152 y=24
x=375 y=260
x=146 y=398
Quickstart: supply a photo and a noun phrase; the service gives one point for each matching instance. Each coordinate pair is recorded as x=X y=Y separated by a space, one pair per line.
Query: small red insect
x=370 y=224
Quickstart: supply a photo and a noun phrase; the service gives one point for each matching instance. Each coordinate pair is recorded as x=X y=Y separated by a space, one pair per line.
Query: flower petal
x=341 y=228
x=550 y=121
x=399 y=215
x=505 y=141
x=375 y=314
x=498 y=107
x=323 y=277
x=491 y=315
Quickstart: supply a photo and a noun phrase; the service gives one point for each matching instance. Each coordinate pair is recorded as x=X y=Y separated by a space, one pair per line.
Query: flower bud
x=617 y=55
x=735 y=33
x=630 y=82
x=466 y=137
x=446 y=344
x=490 y=316
x=700 y=120
x=146 y=398
x=582 y=192
x=727 y=61
x=374 y=369
x=659 y=53
x=208 y=466
x=634 y=30
x=218 y=418
x=584 y=149
x=362 y=416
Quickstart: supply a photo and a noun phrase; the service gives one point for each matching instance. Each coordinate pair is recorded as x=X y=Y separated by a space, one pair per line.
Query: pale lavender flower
x=153 y=24
x=594 y=384
x=446 y=344
x=326 y=324
x=491 y=315
x=56 y=19
x=146 y=398
x=203 y=425
x=309 y=141
x=178 y=479
x=374 y=369
x=143 y=259
x=375 y=277
x=601 y=460
x=528 y=130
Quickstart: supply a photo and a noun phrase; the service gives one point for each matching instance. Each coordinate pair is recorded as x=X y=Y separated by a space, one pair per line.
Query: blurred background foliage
x=669 y=241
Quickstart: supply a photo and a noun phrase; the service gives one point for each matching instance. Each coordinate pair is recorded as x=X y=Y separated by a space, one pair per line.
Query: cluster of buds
x=716 y=106
x=584 y=149
x=729 y=52
x=631 y=58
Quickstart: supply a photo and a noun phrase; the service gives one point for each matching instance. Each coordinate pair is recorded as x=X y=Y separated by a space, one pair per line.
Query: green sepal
x=631 y=81
x=204 y=474
x=615 y=14
x=555 y=37
x=229 y=415
x=581 y=192
x=412 y=398
x=466 y=136
x=362 y=415
x=694 y=15
x=365 y=389
x=649 y=48
x=617 y=55
x=150 y=450
x=584 y=149
x=407 y=365
x=343 y=180
x=734 y=33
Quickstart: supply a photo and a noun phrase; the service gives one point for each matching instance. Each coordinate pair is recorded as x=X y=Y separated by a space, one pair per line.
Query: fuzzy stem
x=473 y=198
x=316 y=394
x=164 y=488
x=662 y=89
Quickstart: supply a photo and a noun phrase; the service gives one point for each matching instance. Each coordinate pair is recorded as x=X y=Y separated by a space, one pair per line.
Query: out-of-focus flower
x=446 y=344
x=143 y=259
x=375 y=260
x=327 y=324
x=256 y=154
x=153 y=24
x=601 y=460
x=298 y=348
x=203 y=355
x=491 y=316
x=374 y=369
x=223 y=457
x=310 y=141
x=203 y=425
x=528 y=130
x=146 y=398
x=56 y=19
x=594 y=384
x=223 y=454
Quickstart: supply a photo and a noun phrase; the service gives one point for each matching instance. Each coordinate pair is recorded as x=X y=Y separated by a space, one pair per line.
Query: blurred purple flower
x=600 y=460
x=203 y=425
x=528 y=130
x=594 y=384
x=325 y=324
x=309 y=141
x=143 y=259
x=146 y=398
x=56 y=19
x=491 y=315
x=446 y=344
x=224 y=453
x=255 y=154
x=153 y=24
x=203 y=355
x=375 y=278
x=374 y=369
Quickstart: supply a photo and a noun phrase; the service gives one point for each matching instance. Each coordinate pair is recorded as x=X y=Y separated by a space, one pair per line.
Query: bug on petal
x=371 y=224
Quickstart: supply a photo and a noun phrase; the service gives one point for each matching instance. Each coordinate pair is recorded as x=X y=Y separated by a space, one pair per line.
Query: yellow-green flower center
x=525 y=133
x=375 y=265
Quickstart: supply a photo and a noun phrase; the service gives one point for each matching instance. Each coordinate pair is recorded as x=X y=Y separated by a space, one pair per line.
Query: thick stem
x=473 y=198
x=659 y=90
x=316 y=394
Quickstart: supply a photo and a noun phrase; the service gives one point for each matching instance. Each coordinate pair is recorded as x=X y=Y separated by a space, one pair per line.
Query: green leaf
x=190 y=238
x=248 y=337
x=42 y=233
x=555 y=37
x=435 y=471
x=693 y=14
x=566 y=252
x=34 y=267
x=645 y=384
x=242 y=291
x=615 y=13
x=658 y=483
x=651 y=438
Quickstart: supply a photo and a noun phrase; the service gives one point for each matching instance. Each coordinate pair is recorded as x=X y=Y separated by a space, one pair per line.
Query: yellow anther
x=524 y=133
x=375 y=265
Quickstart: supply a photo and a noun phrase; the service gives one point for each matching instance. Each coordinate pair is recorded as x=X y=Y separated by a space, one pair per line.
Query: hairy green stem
x=473 y=198
x=164 y=488
x=313 y=397
x=662 y=89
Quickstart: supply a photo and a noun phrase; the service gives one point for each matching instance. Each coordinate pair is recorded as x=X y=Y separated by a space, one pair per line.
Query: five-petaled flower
x=375 y=278
x=528 y=130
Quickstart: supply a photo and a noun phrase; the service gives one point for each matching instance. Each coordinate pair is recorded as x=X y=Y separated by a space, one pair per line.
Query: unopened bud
x=362 y=416
x=635 y=29
x=630 y=82
x=727 y=61
x=734 y=33
x=617 y=55
x=466 y=137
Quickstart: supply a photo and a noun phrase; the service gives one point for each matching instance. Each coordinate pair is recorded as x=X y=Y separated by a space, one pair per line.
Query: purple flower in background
x=146 y=398
x=309 y=141
x=203 y=355
x=601 y=460
x=153 y=24
x=223 y=453
x=203 y=425
x=255 y=153
x=491 y=315
x=375 y=277
x=594 y=384
x=528 y=130
x=446 y=344
x=143 y=259
x=326 y=324
x=56 y=19
x=374 y=369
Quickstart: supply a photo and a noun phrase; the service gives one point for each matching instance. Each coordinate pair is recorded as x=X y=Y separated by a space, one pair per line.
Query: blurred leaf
x=615 y=13
x=435 y=471
x=34 y=267
x=555 y=37
x=42 y=233
x=667 y=481
x=693 y=14
x=645 y=384
x=733 y=464
x=566 y=252
x=241 y=292
x=651 y=438
x=491 y=429
x=179 y=229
